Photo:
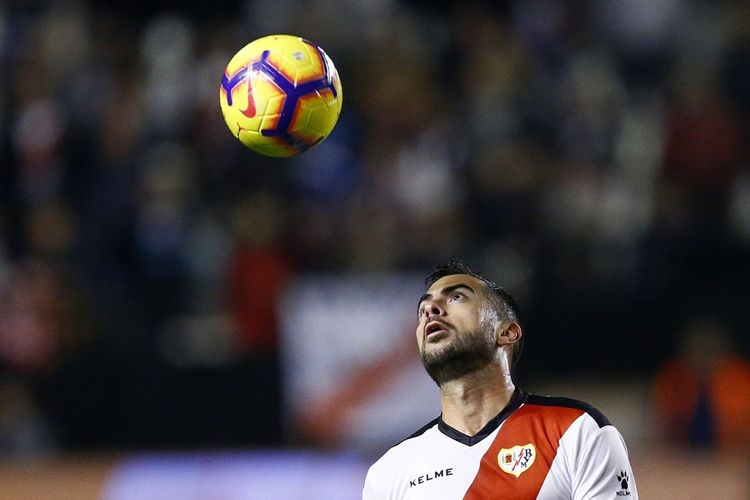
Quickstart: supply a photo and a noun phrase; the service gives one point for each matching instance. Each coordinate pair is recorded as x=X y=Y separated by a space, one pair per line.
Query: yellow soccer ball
x=280 y=95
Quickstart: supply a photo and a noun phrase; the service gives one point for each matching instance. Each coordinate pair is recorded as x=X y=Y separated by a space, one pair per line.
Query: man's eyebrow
x=446 y=291
x=453 y=288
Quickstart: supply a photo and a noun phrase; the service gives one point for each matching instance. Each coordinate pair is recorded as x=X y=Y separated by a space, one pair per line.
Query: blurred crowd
x=591 y=156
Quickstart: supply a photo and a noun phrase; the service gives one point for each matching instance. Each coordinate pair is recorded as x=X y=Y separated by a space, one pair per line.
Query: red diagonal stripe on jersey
x=542 y=426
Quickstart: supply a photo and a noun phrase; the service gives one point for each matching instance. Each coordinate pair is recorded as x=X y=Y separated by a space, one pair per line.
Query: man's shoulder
x=416 y=438
x=421 y=432
x=409 y=445
x=557 y=402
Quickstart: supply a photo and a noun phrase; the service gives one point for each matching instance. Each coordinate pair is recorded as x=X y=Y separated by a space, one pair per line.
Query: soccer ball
x=280 y=95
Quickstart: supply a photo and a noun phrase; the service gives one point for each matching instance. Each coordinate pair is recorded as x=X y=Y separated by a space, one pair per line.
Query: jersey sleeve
x=600 y=466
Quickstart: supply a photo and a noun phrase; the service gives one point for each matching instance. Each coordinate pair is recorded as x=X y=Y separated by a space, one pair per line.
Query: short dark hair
x=502 y=301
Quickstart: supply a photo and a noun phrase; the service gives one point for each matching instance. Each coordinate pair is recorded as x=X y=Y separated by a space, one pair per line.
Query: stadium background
x=179 y=312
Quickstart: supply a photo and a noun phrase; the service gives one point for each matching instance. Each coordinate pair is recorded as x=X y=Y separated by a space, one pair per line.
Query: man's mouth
x=435 y=327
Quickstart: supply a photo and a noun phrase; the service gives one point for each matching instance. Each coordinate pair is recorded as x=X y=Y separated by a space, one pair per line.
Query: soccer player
x=492 y=439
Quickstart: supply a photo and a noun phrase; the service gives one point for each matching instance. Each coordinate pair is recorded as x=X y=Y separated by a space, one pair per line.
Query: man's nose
x=432 y=308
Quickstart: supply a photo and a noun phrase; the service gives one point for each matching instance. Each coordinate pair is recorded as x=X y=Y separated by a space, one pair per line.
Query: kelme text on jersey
x=430 y=476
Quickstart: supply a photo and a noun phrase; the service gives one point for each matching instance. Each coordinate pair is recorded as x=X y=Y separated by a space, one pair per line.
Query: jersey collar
x=516 y=400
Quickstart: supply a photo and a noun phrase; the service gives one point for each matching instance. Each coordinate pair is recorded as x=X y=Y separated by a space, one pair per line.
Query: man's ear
x=508 y=333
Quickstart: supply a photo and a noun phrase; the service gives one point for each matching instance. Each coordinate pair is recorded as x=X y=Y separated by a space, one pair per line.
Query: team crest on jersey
x=517 y=460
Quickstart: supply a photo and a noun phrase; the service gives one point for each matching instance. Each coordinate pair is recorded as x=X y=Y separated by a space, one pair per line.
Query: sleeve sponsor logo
x=623 y=479
x=517 y=460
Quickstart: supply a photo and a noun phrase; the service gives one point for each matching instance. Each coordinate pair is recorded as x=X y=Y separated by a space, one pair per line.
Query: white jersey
x=537 y=447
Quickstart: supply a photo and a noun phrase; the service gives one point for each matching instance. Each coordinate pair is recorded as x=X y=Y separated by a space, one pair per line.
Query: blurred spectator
x=701 y=397
x=23 y=430
x=705 y=143
x=43 y=319
x=258 y=270
x=162 y=222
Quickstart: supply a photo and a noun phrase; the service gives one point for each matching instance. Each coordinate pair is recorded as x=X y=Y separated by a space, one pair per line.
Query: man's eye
x=456 y=296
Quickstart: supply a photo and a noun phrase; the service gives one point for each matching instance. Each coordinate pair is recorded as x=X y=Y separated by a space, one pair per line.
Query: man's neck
x=470 y=402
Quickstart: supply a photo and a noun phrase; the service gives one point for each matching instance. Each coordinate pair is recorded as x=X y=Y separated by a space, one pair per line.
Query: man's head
x=466 y=322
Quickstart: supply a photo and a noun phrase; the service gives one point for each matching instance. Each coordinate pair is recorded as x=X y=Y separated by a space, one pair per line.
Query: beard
x=466 y=354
